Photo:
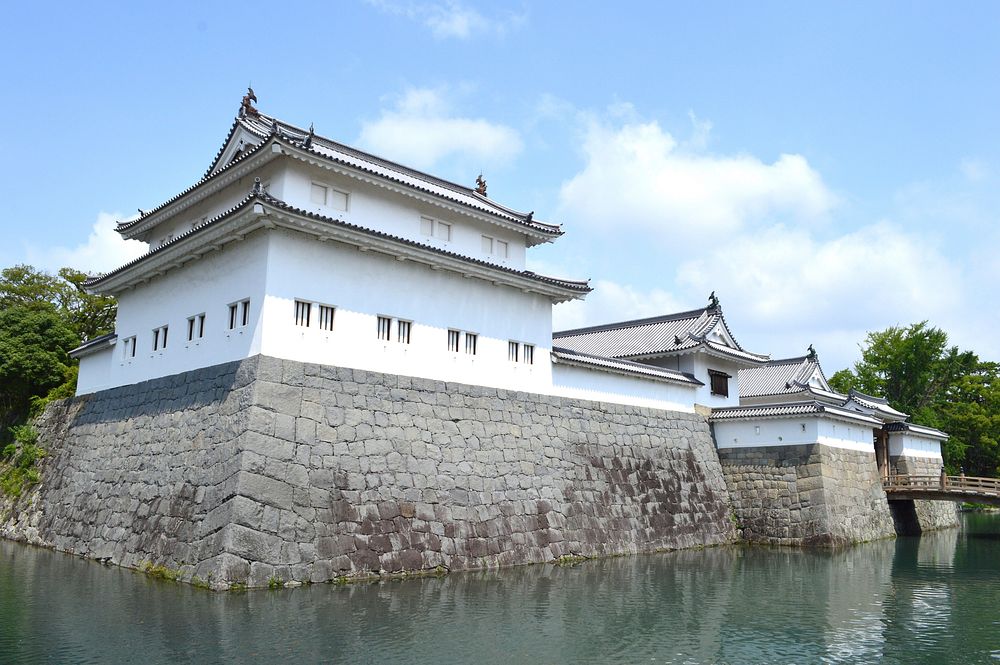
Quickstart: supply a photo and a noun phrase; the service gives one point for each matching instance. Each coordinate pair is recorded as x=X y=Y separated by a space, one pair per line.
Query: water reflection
x=911 y=600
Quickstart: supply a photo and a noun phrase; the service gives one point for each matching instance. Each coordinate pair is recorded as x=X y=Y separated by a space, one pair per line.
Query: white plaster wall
x=206 y=285
x=908 y=445
x=363 y=285
x=842 y=434
x=380 y=209
x=794 y=431
x=582 y=383
x=95 y=372
x=698 y=364
x=750 y=434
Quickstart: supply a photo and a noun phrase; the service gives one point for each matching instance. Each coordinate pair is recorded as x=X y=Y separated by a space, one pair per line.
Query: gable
x=238 y=142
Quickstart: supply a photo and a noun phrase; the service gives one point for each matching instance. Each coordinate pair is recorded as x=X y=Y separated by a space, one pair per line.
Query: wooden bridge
x=943 y=488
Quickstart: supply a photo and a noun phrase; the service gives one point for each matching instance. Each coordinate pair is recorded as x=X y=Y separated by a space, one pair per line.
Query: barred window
x=513 y=351
x=325 y=317
x=384 y=328
x=528 y=355
x=453 y=340
x=303 y=310
x=470 y=343
x=160 y=338
x=403 y=332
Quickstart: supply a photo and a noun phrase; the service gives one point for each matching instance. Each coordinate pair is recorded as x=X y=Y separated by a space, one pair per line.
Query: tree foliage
x=939 y=386
x=42 y=318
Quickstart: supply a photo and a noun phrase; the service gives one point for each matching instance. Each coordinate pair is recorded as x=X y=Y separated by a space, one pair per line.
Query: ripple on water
x=911 y=600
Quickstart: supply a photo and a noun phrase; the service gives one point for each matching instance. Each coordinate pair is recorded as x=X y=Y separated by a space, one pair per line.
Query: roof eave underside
x=789 y=410
x=625 y=367
x=172 y=254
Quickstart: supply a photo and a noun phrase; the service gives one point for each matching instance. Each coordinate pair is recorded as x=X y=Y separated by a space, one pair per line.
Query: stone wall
x=806 y=494
x=926 y=515
x=266 y=469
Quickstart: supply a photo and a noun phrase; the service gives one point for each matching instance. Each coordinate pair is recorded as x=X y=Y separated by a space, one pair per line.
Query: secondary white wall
x=207 y=285
x=698 y=364
x=908 y=445
x=380 y=209
x=583 y=383
x=791 y=432
x=364 y=285
x=95 y=372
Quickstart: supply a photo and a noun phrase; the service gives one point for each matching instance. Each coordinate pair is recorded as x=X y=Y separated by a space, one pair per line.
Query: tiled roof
x=93 y=344
x=778 y=377
x=660 y=335
x=580 y=287
x=625 y=366
x=789 y=410
x=264 y=126
x=916 y=429
x=877 y=404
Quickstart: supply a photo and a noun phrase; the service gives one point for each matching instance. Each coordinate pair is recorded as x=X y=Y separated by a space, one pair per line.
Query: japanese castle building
x=298 y=247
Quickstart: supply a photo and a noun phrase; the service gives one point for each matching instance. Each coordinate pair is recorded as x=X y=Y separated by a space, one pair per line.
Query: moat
x=931 y=600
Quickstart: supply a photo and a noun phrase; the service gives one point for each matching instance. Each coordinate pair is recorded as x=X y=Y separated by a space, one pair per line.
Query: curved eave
x=95 y=345
x=623 y=367
x=263 y=211
x=790 y=411
x=708 y=348
x=920 y=431
x=210 y=184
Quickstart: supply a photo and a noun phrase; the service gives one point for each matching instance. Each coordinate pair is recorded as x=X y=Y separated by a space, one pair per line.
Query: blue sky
x=827 y=169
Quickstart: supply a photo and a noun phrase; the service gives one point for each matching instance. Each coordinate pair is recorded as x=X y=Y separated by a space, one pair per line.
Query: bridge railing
x=939 y=483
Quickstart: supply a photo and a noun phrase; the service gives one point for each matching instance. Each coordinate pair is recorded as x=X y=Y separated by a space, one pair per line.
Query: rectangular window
x=303 y=310
x=196 y=327
x=384 y=328
x=487 y=245
x=338 y=199
x=453 y=340
x=434 y=228
x=128 y=348
x=317 y=194
x=160 y=338
x=239 y=314
x=719 y=382
x=513 y=351
x=503 y=250
x=325 y=317
x=470 y=343
x=528 y=355
x=403 y=332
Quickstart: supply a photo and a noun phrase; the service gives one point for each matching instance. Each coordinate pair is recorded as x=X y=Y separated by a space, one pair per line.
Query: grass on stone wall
x=18 y=460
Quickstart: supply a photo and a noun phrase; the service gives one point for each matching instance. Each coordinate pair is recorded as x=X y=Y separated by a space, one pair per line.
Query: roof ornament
x=530 y=215
x=246 y=106
x=713 y=301
x=309 y=139
x=812 y=353
x=481 y=185
x=275 y=127
x=258 y=188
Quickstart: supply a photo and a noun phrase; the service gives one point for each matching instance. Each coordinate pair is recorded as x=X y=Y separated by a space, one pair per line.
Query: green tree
x=89 y=315
x=938 y=385
x=34 y=341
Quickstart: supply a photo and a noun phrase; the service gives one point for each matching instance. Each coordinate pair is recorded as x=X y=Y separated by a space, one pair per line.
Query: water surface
x=935 y=599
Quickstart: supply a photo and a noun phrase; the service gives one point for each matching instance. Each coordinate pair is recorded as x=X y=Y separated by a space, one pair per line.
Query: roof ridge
x=409 y=170
x=635 y=323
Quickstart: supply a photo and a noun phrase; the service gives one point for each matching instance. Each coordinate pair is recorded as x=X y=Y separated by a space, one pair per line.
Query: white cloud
x=451 y=19
x=611 y=301
x=637 y=175
x=422 y=131
x=974 y=170
x=103 y=250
